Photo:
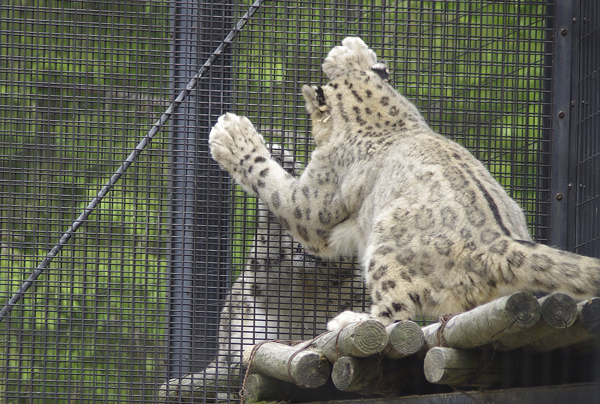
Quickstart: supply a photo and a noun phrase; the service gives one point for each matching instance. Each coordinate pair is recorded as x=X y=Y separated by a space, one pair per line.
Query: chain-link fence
x=134 y=298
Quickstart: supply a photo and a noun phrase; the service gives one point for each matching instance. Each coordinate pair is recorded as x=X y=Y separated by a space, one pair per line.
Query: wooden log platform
x=260 y=388
x=293 y=364
x=360 y=339
x=366 y=376
x=486 y=323
x=586 y=328
x=479 y=368
x=371 y=359
x=559 y=311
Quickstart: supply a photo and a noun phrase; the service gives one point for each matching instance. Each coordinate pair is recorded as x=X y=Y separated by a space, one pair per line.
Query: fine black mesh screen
x=587 y=237
x=477 y=70
x=134 y=299
x=80 y=82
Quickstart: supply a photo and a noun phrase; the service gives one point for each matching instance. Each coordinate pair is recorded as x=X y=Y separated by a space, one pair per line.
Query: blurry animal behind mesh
x=283 y=293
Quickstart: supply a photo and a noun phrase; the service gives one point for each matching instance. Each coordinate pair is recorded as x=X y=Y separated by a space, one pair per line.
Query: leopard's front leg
x=306 y=212
x=240 y=150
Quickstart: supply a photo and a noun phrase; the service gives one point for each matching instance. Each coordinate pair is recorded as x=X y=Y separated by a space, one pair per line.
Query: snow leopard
x=435 y=232
x=283 y=293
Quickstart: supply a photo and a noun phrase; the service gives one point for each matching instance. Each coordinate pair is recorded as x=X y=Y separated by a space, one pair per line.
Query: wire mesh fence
x=135 y=298
x=587 y=120
x=80 y=81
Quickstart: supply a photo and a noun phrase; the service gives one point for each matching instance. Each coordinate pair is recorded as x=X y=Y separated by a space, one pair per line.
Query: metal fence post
x=561 y=116
x=200 y=205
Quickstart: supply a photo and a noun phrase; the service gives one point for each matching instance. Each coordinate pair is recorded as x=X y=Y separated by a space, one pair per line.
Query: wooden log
x=366 y=376
x=585 y=328
x=405 y=339
x=559 y=311
x=263 y=388
x=430 y=333
x=486 y=323
x=294 y=364
x=458 y=367
x=360 y=339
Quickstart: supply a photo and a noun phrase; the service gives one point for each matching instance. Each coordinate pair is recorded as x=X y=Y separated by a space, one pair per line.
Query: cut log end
x=366 y=376
x=343 y=373
x=310 y=370
x=405 y=338
x=434 y=366
x=263 y=388
x=365 y=338
x=523 y=309
x=360 y=339
x=558 y=310
x=590 y=316
x=458 y=367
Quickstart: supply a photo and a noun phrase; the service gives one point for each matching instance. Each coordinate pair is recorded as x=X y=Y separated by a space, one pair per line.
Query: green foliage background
x=80 y=83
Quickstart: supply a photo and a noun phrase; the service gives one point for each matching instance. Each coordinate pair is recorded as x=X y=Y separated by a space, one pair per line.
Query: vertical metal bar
x=561 y=115
x=574 y=158
x=185 y=54
x=200 y=241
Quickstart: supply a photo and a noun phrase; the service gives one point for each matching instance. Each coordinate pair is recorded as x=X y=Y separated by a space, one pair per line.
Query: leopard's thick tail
x=540 y=268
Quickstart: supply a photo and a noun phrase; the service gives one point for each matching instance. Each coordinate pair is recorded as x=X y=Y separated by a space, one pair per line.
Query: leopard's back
x=436 y=232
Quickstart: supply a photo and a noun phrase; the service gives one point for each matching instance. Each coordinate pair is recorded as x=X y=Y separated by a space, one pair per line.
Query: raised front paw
x=353 y=55
x=237 y=147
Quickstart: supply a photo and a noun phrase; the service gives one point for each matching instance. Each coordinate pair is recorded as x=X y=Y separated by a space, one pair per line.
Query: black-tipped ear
x=320 y=96
x=381 y=70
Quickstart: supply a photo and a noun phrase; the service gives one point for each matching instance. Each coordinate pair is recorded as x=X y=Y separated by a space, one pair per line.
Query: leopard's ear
x=310 y=97
x=315 y=99
x=320 y=97
x=382 y=70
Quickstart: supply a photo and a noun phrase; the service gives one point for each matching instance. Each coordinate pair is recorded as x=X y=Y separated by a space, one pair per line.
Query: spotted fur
x=435 y=232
